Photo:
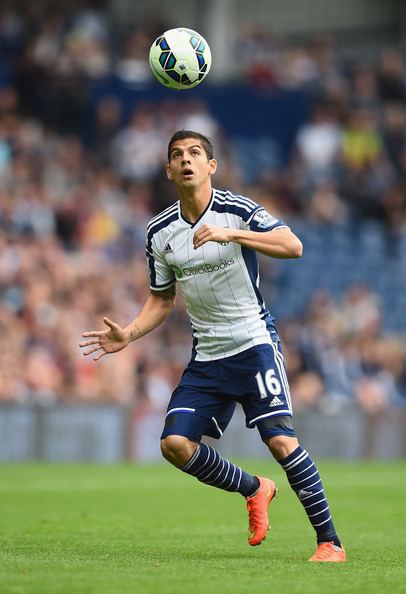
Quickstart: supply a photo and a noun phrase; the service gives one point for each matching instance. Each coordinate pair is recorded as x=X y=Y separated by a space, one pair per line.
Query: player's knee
x=177 y=449
x=282 y=445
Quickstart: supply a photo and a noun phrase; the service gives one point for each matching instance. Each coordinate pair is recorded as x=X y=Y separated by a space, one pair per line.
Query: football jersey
x=219 y=281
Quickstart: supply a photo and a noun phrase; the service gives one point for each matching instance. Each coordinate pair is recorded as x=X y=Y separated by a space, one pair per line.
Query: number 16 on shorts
x=266 y=383
x=269 y=386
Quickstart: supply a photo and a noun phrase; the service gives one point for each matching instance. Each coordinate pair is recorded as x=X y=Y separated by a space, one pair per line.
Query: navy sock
x=210 y=468
x=305 y=480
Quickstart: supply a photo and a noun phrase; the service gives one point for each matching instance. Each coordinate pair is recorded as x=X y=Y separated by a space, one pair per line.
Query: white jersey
x=219 y=281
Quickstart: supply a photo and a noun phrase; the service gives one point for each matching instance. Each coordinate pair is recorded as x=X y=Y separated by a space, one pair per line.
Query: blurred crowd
x=73 y=216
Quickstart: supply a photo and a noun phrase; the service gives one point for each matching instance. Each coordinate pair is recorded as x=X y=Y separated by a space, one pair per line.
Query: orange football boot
x=330 y=553
x=257 y=507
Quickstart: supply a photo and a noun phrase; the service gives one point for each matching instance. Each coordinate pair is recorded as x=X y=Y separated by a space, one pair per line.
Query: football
x=180 y=58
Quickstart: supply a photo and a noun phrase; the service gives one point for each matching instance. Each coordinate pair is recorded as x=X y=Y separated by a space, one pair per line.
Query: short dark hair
x=183 y=134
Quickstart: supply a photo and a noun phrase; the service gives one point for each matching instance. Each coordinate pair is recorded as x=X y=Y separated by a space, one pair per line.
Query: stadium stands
x=74 y=204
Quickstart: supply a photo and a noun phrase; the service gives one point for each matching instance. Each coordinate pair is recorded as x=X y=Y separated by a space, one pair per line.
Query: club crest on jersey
x=264 y=220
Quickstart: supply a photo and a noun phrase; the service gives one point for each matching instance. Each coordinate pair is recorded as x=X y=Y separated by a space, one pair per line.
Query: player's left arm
x=279 y=242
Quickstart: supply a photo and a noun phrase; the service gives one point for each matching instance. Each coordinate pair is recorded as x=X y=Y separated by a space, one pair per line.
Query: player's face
x=188 y=165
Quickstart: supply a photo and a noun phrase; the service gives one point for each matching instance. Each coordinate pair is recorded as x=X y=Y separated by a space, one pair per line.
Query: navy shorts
x=205 y=399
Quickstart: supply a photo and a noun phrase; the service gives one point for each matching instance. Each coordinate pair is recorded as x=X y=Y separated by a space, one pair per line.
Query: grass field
x=149 y=529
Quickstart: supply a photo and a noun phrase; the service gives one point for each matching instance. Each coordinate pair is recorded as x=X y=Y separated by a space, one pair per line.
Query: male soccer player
x=207 y=243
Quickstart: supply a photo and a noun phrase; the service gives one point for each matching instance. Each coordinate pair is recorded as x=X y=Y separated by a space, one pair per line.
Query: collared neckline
x=208 y=207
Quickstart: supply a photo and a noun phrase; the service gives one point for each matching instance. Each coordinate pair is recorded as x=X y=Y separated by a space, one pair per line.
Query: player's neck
x=194 y=202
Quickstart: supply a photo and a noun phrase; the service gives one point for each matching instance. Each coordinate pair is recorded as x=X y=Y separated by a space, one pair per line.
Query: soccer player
x=206 y=243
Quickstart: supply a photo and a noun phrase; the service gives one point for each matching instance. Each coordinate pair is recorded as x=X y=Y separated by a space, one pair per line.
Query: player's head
x=185 y=134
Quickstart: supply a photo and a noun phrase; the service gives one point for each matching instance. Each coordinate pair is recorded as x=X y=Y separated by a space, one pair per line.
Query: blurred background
x=306 y=105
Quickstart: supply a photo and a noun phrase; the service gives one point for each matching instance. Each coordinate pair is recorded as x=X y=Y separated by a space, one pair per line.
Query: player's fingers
x=93 y=350
x=86 y=343
x=201 y=230
x=99 y=356
x=110 y=323
x=93 y=333
x=201 y=234
x=201 y=240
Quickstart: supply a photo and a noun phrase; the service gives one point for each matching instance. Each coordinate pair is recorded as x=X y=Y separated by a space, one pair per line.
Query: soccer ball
x=180 y=58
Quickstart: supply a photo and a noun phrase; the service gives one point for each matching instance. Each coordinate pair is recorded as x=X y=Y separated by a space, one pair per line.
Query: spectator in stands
x=366 y=172
x=391 y=75
x=394 y=136
x=318 y=145
x=137 y=149
x=132 y=66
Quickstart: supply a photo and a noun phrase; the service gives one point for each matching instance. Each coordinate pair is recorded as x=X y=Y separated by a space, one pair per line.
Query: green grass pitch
x=87 y=529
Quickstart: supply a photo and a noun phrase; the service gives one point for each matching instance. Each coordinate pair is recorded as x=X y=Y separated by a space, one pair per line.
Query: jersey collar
x=208 y=207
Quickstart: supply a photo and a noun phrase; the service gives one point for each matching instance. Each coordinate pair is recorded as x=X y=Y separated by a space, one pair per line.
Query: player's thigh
x=193 y=413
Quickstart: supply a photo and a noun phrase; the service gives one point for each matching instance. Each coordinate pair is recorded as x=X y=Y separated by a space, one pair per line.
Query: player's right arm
x=155 y=310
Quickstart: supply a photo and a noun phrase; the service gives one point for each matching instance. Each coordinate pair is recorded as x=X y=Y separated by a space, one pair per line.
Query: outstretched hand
x=106 y=341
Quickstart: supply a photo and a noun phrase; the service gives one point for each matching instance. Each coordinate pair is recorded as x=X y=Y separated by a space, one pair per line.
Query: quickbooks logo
x=202 y=269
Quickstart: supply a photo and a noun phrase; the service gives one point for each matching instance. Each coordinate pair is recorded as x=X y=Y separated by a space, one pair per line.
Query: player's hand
x=211 y=233
x=104 y=342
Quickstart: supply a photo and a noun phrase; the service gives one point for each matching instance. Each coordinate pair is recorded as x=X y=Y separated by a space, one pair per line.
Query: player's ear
x=168 y=171
x=213 y=166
